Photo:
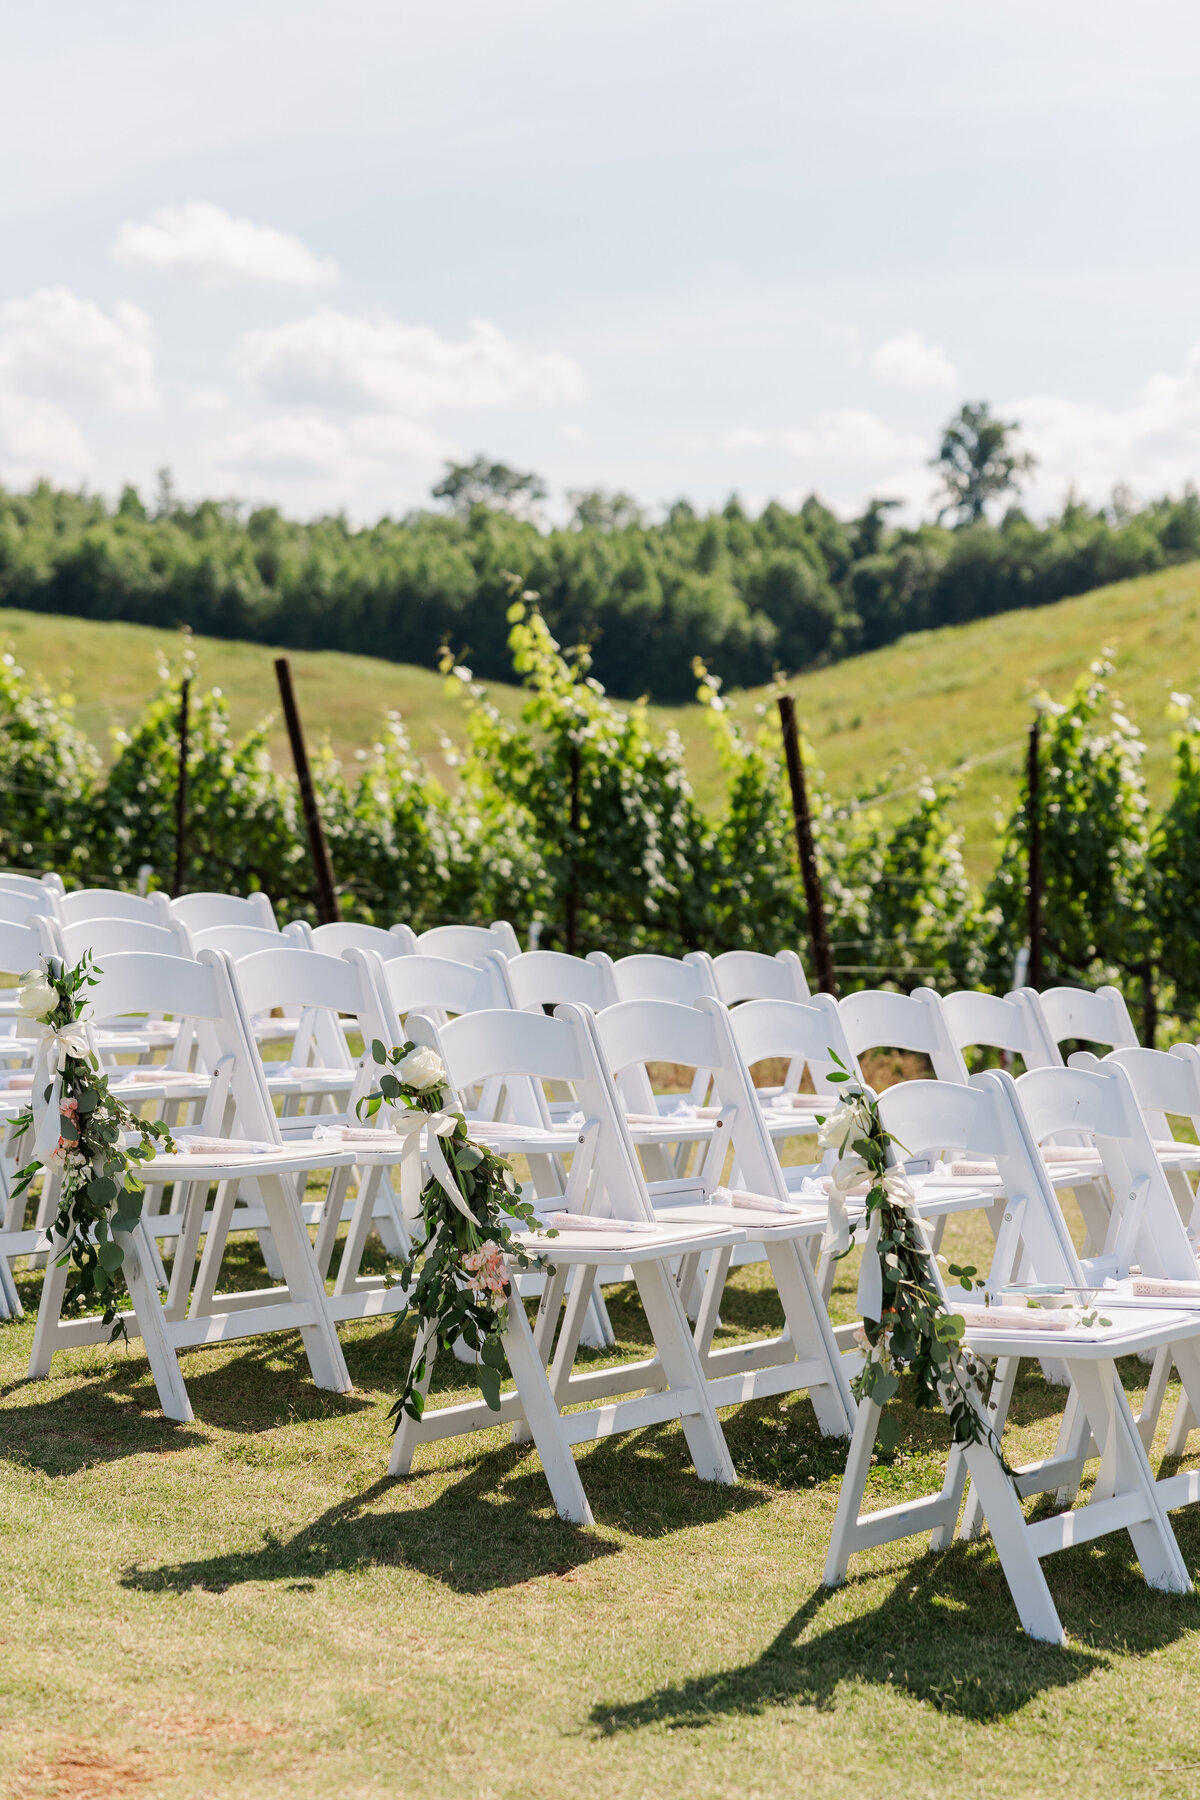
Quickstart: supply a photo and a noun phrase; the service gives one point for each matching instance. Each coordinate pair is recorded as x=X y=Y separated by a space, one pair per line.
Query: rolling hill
x=922 y=705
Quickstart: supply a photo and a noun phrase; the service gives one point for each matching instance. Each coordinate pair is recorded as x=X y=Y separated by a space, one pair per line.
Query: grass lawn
x=248 y=1606
x=921 y=705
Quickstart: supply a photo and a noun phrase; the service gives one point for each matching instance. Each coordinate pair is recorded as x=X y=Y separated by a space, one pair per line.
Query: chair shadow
x=98 y=1423
x=494 y=1529
x=945 y=1635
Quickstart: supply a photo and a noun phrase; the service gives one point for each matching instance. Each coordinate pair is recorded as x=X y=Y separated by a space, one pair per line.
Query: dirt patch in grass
x=80 y=1772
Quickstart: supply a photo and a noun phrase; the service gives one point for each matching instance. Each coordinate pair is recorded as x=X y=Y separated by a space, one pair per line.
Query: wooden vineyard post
x=1033 y=804
x=181 y=793
x=328 y=911
x=814 y=899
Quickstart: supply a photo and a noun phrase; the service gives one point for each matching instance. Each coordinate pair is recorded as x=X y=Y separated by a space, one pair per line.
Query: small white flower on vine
x=37 y=997
x=849 y=1119
x=421 y=1069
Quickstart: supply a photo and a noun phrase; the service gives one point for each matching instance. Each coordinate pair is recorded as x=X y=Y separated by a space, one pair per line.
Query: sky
x=304 y=254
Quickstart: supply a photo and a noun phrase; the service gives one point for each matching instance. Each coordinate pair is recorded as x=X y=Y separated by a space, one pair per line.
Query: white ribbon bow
x=55 y=1044
x=870 y=1275
x=409 y=1125
x=847 y=1172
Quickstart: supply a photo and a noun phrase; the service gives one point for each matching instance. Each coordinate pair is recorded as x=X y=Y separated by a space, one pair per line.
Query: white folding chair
x=467 y=943
x=1101 y=1017
x=542 y=978
x=477 y=1048
x=110 y=903
x=201 y=912
x=336 y=939
x=325 y=987
x=16 y=908
x=648 y=976
x=875 y=1019
x=441 y=989
x=750 y=975
x=204 y=991
x=987 y=1119
x=778 y=1228
x=1164 y=1083
x=117 y=937
x=36 y=886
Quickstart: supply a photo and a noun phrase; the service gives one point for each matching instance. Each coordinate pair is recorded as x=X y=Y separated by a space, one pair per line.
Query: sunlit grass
x=247 y=1606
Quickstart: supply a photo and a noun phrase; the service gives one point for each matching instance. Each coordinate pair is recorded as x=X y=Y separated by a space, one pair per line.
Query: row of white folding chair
x=211 y=997
x=513 y=1047
x=996 y=1118
x=1112 y=1104
x=290 y=975
x=205 y=992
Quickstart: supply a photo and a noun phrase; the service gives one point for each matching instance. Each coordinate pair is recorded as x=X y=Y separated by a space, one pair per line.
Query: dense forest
x=750 y=596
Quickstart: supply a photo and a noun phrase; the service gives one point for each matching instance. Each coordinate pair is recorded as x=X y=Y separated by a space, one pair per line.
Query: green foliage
x=977 y=462
x=48 y=776
x=1094 y=815
x=100 y=1144
x=1173 y=887
x=790 y=589
x=619 y=835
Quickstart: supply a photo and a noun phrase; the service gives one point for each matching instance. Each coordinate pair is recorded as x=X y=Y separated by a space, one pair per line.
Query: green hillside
x=919 y=706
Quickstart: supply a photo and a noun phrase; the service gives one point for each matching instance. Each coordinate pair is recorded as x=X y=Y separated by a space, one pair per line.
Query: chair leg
x=205 y=1290
x=1156 y=1393
x=303 y=1278
x=850 y=1493
x=152 y=1322
x=407 y=1435
x=49 y=1312
x=998 y=1402
x=543 y=1419
x=683 y=1369
x=1022 y=1570
x=1124 y=1470
x=812 y=1336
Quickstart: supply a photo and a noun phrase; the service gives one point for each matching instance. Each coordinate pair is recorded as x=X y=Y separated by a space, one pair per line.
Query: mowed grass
x=921 y=706
x=247 y=1606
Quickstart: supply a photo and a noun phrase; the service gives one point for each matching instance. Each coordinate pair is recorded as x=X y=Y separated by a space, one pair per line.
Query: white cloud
x=300 y=445
x=39 y=438
x=304 y=446
x=908 y=361
x=373 y=363
x=207 y=243
x=1153 y=444
x=57 y=346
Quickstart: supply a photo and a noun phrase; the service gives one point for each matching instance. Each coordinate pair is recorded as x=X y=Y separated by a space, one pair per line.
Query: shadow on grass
x=492 y=1528
x=99 y=1422
x=947 y=1634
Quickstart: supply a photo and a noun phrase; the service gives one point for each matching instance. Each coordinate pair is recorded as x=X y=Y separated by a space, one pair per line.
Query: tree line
x=787 y=590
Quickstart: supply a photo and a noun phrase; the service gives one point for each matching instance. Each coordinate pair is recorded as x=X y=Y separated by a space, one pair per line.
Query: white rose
x=421 y=1069
x=847 y=1121
x=36 y=996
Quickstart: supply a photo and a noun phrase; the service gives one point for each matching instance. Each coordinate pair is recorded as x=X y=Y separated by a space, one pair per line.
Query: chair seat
x=589 y=1245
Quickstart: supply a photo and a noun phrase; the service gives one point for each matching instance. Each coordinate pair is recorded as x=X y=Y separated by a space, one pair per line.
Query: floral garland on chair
x=906 y=1324
x=82 y=1132
x=457 y=1280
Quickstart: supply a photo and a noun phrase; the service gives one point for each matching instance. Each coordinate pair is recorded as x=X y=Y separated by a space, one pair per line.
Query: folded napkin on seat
x=1150 y=1287
x=573 y=1221
x=197 y=1144
x=1012 y=1318
x=356 y=1134
x=766 y=1203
